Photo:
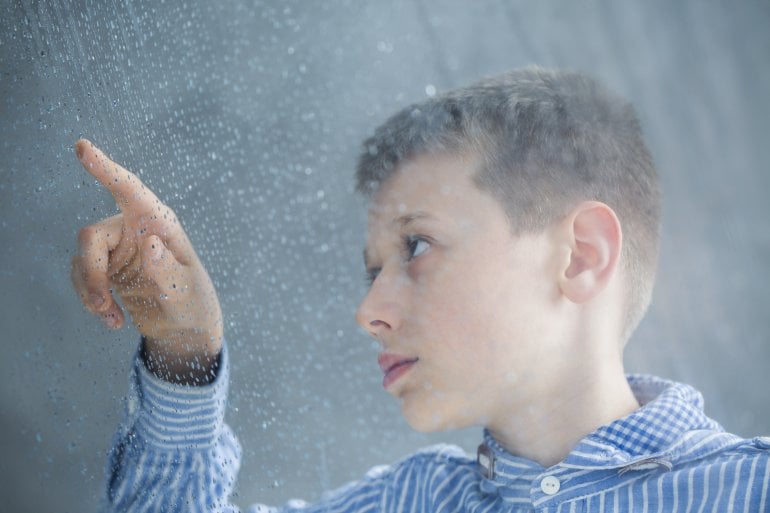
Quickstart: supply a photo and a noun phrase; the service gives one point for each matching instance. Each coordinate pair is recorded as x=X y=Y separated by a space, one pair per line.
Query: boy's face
x=459 y=305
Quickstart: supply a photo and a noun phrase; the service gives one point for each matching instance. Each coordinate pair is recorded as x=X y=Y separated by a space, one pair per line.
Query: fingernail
x=97 y=300
x=109 y=320
x=79 y=151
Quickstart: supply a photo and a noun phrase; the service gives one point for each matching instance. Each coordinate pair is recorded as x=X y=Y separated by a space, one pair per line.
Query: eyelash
x=409 y=244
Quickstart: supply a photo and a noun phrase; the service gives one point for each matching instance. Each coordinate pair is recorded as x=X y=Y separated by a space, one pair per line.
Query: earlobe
x=593 y=234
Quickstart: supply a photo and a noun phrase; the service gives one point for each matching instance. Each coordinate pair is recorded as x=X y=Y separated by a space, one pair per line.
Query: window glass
x=247 y=117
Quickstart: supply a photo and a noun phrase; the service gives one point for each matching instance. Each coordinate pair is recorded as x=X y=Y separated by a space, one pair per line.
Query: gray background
x=246 y=118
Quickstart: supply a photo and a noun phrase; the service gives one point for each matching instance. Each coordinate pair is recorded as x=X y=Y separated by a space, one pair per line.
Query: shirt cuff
x=173 y=416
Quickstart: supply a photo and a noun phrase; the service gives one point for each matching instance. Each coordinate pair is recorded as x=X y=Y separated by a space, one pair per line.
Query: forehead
x=435 y=194
x=425 y=183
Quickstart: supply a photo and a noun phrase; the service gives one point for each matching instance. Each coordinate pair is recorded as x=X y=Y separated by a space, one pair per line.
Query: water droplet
x=385 y=47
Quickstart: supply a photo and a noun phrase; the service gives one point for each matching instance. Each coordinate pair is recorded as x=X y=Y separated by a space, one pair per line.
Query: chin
x=430 y=417
x=422 y=425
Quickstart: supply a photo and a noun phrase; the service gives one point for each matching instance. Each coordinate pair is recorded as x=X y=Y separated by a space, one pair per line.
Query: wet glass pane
x=246 y=118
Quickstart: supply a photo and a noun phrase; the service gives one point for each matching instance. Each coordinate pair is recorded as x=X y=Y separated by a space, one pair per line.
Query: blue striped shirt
x=175 y=453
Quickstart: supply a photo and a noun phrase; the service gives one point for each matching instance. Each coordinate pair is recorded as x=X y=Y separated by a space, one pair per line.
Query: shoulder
x=743 y=465
x=732 y=447
x=432 y=458
x=438 y=473
x=421 y=471
x=755 y=449
x=706 y=447
x=440 y=455
x=759 y=444
x=413 y=479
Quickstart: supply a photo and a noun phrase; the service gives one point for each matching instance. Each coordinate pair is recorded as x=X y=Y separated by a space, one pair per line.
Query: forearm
x=173 y=446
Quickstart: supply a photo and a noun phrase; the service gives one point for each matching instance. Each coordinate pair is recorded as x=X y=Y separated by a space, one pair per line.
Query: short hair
x=546 y=140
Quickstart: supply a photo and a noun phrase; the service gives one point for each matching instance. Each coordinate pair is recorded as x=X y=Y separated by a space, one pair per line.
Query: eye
x=415 y=246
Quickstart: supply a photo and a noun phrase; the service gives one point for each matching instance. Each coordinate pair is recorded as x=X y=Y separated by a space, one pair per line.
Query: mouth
x=394 y=366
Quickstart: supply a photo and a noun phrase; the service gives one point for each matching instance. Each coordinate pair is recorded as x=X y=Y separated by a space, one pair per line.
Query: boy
x=512 y=245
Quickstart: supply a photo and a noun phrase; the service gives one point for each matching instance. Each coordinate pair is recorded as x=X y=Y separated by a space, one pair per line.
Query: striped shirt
x=175 y=453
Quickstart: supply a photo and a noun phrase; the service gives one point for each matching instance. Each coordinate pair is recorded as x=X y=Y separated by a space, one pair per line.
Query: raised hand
x=144 y=256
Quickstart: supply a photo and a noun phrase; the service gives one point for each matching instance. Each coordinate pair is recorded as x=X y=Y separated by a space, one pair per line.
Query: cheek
x=465 y=301
x=443 y=297
x=460 y=289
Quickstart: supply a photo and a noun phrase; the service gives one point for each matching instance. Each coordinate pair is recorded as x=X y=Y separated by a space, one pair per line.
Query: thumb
x=162 y=267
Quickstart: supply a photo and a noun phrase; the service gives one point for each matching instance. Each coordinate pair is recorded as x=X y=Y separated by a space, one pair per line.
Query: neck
x=549 y=427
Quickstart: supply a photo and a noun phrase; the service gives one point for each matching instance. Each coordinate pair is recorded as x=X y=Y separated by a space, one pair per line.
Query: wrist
x=187 y=359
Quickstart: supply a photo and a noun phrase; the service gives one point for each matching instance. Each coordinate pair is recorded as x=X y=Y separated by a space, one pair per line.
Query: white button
x=550 y=485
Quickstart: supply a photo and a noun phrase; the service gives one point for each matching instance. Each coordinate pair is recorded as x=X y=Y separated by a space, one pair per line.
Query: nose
x=379 y=311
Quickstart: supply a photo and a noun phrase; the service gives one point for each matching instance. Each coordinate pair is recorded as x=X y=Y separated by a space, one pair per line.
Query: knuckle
x=87 y=234
x=91 y=274
x=77 y=268
x=81 y=291
x=169 y=214
x=83 y=295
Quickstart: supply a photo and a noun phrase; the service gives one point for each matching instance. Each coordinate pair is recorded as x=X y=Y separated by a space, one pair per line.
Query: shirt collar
x=668 y=411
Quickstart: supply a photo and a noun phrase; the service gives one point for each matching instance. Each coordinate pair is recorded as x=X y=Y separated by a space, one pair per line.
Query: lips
x=394 y=366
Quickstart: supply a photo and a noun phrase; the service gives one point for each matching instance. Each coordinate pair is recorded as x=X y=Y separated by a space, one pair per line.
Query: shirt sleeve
x=173 y=452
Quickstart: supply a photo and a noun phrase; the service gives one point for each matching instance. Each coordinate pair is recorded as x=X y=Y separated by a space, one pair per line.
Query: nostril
x=377 y=327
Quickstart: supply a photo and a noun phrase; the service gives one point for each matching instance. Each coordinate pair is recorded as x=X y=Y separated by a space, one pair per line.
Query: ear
x=594 y=239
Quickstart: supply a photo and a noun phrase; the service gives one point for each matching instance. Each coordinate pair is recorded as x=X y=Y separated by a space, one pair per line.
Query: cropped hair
x=546 y=141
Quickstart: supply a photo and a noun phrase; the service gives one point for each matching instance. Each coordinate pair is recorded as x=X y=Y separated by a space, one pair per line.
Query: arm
x=174 y=450
x=144 y=256
x=174 y=453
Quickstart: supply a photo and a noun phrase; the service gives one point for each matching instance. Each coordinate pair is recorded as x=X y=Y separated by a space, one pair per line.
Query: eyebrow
x=405 y=219
x=401 y=222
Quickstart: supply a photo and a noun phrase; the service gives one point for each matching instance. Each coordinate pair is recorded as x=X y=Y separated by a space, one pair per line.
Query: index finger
x=131 y=195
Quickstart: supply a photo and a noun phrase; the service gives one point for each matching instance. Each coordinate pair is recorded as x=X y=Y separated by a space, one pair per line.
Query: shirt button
x=550 y=485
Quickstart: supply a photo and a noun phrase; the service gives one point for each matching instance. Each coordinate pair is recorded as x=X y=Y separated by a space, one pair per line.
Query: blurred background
x=246 y=118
